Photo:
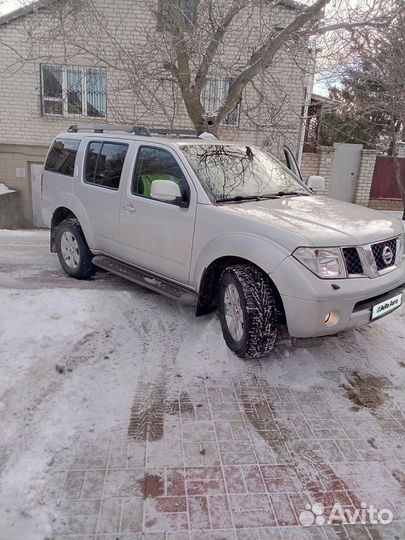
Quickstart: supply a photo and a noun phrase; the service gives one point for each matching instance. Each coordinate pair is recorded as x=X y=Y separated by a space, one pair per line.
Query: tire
x=73 y=252
x=256 y=335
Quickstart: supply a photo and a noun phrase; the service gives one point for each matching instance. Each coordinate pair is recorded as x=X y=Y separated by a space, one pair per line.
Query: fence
x=376 y=186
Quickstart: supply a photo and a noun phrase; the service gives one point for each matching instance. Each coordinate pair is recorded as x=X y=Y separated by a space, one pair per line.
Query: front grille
x=384 y=253
x=352 y=260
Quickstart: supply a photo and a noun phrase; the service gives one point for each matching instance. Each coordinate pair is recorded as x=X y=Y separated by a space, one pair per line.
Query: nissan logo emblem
x=387 y=255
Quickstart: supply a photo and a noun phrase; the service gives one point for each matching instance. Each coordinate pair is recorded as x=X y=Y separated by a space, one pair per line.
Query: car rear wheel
x=248 y=311
x=73 y=252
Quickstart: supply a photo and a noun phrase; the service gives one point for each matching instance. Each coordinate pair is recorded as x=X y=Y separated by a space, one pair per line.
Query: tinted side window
x=62 y=156
x=104 y=162
x=93 y=151
x=157 y=164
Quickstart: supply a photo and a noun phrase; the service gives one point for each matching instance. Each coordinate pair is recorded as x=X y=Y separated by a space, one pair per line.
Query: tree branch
x=216 y=40
x=262 y=58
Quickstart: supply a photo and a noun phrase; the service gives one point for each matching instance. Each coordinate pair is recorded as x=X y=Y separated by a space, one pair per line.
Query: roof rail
x=176 y=132
x=100 y=128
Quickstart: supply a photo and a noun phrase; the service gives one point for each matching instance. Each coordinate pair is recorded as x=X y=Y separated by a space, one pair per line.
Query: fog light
x=331 y=318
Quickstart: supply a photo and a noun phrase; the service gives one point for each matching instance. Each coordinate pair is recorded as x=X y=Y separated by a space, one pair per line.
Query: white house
x=68 y=61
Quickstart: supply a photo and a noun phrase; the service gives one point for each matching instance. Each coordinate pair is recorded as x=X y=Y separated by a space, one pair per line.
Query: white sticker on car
x=385 y=307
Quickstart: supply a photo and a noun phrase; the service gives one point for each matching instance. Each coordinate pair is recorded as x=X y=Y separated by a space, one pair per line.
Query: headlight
x=324 y=262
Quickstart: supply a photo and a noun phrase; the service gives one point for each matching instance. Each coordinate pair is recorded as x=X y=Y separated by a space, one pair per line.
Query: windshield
x=240 y=172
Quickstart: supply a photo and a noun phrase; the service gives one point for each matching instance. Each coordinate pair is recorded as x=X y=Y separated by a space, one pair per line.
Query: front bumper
x=307 y=299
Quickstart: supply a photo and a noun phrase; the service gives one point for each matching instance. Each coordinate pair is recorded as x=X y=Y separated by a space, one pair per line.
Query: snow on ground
x=108 y=390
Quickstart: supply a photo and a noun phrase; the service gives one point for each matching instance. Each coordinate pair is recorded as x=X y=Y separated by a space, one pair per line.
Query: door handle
x=129 y=208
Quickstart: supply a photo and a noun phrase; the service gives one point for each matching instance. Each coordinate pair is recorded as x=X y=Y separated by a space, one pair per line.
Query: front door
x=154 y=234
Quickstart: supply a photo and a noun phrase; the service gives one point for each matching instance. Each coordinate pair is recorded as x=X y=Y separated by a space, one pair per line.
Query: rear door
x=104 y=166
x=156 y=235
x=57 y=179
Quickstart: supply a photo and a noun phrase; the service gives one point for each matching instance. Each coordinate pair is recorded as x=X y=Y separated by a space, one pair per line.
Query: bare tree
x=371 y=97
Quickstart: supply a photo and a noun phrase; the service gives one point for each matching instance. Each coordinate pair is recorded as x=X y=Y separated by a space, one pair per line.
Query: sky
x=9 y=5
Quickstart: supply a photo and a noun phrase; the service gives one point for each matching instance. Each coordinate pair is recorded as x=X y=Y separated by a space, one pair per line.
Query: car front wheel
x=73 y=252
x=248 y=311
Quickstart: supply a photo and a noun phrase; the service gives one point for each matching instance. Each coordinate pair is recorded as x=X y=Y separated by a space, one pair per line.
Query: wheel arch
x=60 y=214
x=209 y=284
x=63 y=212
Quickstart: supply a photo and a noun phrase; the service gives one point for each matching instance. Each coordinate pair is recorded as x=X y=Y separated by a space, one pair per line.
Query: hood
x=321 y=221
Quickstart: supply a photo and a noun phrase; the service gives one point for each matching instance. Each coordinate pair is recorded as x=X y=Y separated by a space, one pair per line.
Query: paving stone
x=220 y=515
x=73 y=484
x=251 y=511
x=131 y=515
x=109 y=518
x=283 y=509
x=76 y=507
x=237 y=461
x=198 y=512
x=93 y=485
x=72 y=525
x=124 y=483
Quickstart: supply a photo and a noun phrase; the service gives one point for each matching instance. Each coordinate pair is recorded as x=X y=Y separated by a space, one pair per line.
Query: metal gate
x=345 y=171
x=384 y=184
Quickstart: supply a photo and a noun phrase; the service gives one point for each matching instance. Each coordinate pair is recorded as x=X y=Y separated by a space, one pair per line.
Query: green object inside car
x=145 y=181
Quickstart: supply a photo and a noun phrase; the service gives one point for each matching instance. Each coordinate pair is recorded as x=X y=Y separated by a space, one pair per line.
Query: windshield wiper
x=283 y=193
x=241 y=198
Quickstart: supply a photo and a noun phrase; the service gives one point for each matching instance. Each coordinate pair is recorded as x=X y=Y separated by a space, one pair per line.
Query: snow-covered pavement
x=125 y=417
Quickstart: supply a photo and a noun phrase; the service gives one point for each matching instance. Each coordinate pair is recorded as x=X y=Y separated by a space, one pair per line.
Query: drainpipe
x=307 y=100
x=313 y=50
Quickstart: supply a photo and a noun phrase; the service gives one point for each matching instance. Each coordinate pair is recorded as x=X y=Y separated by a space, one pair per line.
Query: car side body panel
x=217 y=235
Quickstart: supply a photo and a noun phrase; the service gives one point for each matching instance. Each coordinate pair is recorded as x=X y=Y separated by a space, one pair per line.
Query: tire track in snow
x=162 y=333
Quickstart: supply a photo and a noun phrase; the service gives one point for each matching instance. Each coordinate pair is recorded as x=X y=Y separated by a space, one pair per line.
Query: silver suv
x=220 y=224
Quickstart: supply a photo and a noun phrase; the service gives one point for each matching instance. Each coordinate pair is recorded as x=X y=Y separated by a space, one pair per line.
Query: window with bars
x=73 y=91
x=214 y=95
x=187 y=9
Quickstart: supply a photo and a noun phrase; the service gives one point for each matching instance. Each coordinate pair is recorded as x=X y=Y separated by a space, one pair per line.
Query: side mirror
x=165 y=191
x=316 y=183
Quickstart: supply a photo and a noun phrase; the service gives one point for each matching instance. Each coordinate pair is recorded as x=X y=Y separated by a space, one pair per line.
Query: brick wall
x=309 y=164
x=319 y=163
x=385 y=204
x=364 y=180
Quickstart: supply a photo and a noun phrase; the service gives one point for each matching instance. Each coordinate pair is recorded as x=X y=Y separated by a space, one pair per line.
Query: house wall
x=271 y=120
x=15 y=172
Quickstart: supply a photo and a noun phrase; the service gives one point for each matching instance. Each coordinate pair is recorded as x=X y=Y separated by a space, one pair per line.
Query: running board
x=146 y=279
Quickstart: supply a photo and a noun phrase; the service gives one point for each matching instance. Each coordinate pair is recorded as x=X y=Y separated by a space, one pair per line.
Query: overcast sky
x=10 y=5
